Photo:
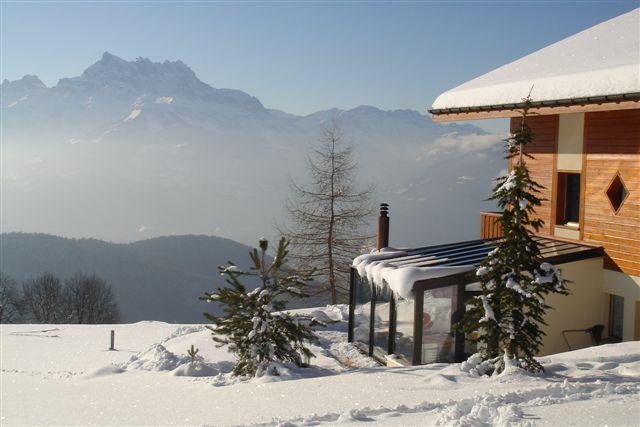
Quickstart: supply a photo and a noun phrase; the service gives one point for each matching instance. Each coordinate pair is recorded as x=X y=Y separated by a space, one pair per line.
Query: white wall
x=570 y=140
x=585 y=306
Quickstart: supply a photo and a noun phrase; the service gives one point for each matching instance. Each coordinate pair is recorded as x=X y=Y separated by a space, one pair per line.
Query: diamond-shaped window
x=617 y=193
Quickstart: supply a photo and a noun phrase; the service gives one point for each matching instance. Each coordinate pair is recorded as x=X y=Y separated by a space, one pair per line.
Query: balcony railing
x=490 y=225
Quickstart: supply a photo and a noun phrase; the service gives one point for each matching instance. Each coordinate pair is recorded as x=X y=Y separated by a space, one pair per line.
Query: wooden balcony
x=490 y=225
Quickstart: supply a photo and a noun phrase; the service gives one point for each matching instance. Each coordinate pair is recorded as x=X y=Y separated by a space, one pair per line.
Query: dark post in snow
x=113 y=340
x=383 y=226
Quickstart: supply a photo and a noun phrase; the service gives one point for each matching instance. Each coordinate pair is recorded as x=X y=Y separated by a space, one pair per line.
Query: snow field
x=64 y=374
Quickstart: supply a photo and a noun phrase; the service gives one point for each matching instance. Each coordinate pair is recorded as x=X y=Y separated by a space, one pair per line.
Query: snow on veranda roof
x=401 y=269
x=601 y=61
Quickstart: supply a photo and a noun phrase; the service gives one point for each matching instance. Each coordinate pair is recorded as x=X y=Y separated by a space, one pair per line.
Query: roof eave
x=559 y=106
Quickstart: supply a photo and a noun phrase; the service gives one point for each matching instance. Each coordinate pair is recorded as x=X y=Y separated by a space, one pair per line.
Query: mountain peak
x=111 y=68
x=32 y=80
x=17 y=91
x=28 y=81
x=115 y=81
x=108 y=60
x=106 y=56
x=366 y=109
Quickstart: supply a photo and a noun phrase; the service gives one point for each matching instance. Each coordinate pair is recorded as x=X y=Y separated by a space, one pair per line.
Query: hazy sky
x=297 y=56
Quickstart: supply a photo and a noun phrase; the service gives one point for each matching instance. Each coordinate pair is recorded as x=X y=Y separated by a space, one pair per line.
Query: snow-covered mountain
x=134 y=149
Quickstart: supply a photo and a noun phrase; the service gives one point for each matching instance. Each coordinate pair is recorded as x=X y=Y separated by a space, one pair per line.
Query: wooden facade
x=611 y=148
x=543 y=164
x=490 y=226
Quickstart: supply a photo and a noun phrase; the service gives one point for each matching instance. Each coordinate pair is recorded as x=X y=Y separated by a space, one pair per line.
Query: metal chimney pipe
x=383 y=226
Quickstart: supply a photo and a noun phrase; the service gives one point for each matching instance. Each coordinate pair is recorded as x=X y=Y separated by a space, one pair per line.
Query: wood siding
x=543 y=165
x=490 y=226
x=612 y=145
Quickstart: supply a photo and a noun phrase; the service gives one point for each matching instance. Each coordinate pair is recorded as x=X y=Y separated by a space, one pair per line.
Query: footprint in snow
x=584 y=365
x=608 y=366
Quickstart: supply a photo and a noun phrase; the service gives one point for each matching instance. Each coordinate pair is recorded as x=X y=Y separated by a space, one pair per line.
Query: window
x=438 y=338
x=362 y=311
x=404 y=328
x=616 y=313
x=381 y=319
x=568 y=199
x=617 y=193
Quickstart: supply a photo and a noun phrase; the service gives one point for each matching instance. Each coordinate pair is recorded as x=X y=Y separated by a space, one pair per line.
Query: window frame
x=460 y=280
x=561 y=200
x=615 y=317
x=368 y=347
x=617 y=177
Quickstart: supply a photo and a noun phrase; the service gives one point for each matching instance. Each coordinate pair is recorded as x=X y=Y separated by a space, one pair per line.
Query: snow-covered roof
x=400 y=269
x=603 y=60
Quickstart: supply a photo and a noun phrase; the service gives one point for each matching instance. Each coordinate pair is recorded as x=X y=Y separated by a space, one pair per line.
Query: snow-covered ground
x=64 y=374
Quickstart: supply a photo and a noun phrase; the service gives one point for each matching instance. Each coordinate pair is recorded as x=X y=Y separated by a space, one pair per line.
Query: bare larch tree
x=328 y=217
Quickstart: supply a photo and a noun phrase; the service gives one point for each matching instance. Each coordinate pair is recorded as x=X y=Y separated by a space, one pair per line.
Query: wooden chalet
x=585 y=118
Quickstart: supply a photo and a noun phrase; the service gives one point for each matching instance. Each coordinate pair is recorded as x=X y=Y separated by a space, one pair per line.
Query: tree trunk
x=332 y=218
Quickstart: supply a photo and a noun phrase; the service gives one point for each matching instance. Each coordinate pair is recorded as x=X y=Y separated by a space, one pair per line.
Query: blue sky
x=298 y=57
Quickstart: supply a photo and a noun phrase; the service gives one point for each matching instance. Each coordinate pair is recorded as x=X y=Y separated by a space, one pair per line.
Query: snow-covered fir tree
x=253 y=324
x=506 y=319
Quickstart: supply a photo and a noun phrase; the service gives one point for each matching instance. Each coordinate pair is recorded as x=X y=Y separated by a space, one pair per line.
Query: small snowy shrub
x=253 y=324
x=505 y=321
x=193 y=353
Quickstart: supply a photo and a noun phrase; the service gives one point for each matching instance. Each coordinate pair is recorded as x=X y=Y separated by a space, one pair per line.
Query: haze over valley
x=130 y=150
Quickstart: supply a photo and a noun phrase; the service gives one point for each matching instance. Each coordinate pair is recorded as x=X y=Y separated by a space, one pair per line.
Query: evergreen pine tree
x=253 y=324
x=506 y=319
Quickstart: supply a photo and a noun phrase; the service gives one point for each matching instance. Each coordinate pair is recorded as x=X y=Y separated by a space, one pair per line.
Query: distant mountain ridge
x=139 y=75
x=134 y=149
x=112 y=86
x=153 y=279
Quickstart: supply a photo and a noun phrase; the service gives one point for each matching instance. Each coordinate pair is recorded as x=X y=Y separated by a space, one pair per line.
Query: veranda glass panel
x=362 y=311
x=472 y=290
x=404 y=327
x=381 y=319
x=438 y=339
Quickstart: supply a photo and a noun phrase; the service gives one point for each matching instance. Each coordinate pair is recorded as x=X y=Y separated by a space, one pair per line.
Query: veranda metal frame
x=460 y=280
x=555 y=251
